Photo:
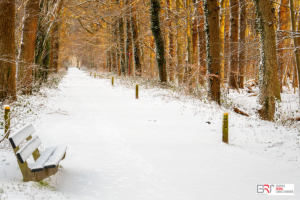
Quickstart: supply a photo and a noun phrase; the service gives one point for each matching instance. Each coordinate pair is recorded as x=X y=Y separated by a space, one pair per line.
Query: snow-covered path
x=126 y=149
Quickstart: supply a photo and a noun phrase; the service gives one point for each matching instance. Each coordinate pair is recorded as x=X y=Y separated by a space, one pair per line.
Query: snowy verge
x=279 y=139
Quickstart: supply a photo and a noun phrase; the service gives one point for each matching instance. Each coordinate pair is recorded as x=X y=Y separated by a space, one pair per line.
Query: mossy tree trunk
x=55 y=37
x=7 y=50
x=268 y=65
x=211 y=13
x=42 y=44
x=159 y=41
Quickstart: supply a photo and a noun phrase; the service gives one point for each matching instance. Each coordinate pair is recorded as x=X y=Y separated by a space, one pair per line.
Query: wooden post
x=112 y=80
x=6 y=120
x=95 y=75
x=225 y=128
x=137 y=91
x=90 y=74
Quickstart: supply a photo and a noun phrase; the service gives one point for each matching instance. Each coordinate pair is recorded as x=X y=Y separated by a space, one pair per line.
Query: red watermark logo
x=275 y=189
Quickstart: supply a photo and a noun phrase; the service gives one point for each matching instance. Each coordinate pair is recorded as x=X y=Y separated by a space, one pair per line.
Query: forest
x=219 y=45
x=191 y=64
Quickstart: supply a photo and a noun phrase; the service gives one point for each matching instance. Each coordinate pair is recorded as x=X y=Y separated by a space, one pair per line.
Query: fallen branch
x=253 y=95
x=249 y=89
x=294 y=119
x=240 y=112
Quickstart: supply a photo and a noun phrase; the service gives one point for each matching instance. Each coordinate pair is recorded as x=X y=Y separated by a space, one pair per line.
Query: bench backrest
x=19 y=136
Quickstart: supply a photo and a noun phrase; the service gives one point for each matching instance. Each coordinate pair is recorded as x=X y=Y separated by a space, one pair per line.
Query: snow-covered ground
x=153 y=148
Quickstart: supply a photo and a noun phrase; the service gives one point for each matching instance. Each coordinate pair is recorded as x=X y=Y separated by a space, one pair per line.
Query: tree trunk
x=180 y=68
x=283 y=25
x=194 y=32
x=135 y=38
x=188 y=75
x=212 y=48
x=122 y=44
x=55 y=47
x=222 y=37
x=26 y=56
x=108 y=60
x=128 y=44
x=296 y=43
x=159 y=42
x=7 y=50
x=268 y=64
x=171 y=42
x=152 y=57
x=226 y=41
x=234 y=39
x=55 y=40
x=114 y=59
x=242 y=44
x=201 y=45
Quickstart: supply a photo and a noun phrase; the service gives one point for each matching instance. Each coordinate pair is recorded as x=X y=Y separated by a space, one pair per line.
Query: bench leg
x=28 y=175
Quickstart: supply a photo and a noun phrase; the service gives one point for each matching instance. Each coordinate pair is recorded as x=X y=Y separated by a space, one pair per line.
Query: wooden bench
x=46 y=163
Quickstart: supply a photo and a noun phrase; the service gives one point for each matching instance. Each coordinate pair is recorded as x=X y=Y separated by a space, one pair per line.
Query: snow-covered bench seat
x=46 y=163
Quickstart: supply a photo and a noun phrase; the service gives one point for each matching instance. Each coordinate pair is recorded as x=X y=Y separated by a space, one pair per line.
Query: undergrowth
x=229 y=98
x=27 y=107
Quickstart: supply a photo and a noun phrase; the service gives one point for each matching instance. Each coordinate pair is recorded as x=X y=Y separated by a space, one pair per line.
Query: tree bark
x=136 y=43
x=122 y=44
x=283 y=25
x=296 y=42
x=152 y=57
x=234 y=39
x=180 y=68
x=26 y=56
x=7 y=50
x=128 y=43
x=268 y=64
x=211 y=11
x=188 y=75
x=201 y=45
x=55 y=39
x=226 y=41
x=171 y=42
x=242 y=44
x=222 y=37
x=159 y=42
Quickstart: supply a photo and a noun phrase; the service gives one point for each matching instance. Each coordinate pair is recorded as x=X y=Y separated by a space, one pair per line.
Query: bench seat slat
x=21 y=134
x=28 y=149
x=40 y=162
x=56 y=157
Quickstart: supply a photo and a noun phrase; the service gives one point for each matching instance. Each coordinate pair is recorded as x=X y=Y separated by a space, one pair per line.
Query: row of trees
x=193 y=43
x=29 y=44
x=215 y=43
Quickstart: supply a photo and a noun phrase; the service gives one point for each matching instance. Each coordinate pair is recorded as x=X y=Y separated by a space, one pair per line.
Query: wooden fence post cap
x=225 y=113
x=6 y=107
